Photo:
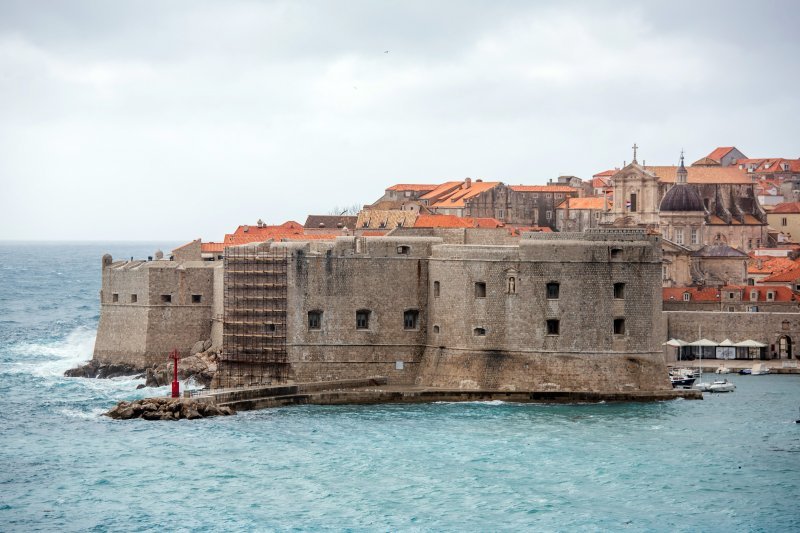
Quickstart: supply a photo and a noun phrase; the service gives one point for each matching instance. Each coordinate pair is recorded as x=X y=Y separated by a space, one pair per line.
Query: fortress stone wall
x=568 y=312
x=147 y=308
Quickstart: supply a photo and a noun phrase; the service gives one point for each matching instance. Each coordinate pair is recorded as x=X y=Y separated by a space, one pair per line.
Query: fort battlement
x=580 y=312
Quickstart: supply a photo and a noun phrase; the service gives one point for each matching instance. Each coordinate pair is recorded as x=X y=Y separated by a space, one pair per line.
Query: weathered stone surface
x=94 y=369
x=167 y=409
x=200 y=367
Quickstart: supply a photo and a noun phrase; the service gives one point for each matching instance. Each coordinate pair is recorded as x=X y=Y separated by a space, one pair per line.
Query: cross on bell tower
x=634 y=153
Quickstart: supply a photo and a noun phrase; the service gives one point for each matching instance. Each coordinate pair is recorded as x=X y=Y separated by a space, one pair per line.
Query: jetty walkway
x=377 y=391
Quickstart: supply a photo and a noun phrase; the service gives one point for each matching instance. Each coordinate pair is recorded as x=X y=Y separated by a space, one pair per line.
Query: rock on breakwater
x=167 y=409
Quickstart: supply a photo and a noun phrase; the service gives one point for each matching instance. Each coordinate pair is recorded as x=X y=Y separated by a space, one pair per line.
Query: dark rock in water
x=167 y=409
x=93 y=369
x=140 y=386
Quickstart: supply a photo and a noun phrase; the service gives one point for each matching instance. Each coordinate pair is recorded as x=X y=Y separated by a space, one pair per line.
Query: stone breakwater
x=167 y=409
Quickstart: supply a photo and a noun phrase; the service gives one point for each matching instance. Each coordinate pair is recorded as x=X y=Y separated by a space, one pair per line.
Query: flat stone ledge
x=427 y=395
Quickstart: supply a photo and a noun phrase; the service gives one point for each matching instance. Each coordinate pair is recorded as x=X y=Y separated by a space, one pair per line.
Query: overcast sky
x=177 y=120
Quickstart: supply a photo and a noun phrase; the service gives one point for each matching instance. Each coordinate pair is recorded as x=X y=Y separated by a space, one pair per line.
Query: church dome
x=682 y=197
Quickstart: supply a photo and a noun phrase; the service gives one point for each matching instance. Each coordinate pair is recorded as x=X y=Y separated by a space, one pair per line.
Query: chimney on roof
x=321 y=224
x=260 y=223
x=246 y=229
x=467 y=183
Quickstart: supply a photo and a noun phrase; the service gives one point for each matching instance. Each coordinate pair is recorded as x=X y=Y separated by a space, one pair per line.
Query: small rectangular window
x=619 y=326
x=403 y=250
x=314 y=319
x=619 y=291
x=687 y=296
x=115 y=297
x=134 y=298
x=553 y=290
x=436 y=289
x=197 y=298
x=694 y=236
x=479 y=332
x=269 y=327
x=362 y=319
x=166 y=298
x=480 y=289
x=783 y=221
x=410 y=318
x=552 y=327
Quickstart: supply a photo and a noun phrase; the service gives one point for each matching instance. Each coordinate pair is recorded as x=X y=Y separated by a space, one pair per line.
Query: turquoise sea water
x=729 y=463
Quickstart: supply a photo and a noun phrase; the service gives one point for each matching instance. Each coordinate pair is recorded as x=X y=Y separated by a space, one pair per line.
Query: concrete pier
x=376 y=391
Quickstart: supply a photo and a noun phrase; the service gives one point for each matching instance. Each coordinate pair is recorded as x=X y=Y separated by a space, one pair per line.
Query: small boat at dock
x=722 y=386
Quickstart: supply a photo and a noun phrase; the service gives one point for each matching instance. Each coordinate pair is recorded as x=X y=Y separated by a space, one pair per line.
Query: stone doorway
x=785 y=347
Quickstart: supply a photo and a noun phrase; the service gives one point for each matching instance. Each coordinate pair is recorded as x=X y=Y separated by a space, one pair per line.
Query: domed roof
x=682 y=197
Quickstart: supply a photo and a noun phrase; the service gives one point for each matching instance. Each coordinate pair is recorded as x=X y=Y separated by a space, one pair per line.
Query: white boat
x=703 y=386
x=759 y=369
x=723 y=370
x=722 y=386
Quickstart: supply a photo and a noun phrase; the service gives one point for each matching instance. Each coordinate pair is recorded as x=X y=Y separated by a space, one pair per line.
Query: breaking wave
x=52 y=359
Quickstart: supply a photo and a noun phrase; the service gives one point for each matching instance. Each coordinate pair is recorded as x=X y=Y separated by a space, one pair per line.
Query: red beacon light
x=175 y=356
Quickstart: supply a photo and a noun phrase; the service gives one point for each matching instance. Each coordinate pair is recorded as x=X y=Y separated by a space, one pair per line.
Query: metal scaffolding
x=254 y=323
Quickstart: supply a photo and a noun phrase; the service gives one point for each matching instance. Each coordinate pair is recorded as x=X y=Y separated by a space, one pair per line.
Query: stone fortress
x=478 y=286
x=553 y=312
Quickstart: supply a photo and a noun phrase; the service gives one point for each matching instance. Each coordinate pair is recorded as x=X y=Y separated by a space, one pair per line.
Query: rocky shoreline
x=167 y=409
x=201 y=367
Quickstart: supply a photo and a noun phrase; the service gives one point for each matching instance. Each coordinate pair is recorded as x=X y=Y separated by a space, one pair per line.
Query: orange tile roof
x=590 y=202
x=606 y=173
x=713 y=294
x=485 y=222
x=720 y=152
x=441 y=221
x=770 y=265
x=542 y=188
x=727 y=175
x=787 y=207
x=785 y=276
x=412 y=187
x=212 y=247
x=459 y=196
x=444 y=188
x=600 y=182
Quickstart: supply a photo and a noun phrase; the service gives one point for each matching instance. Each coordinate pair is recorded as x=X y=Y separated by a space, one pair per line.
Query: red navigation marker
x=175 y=356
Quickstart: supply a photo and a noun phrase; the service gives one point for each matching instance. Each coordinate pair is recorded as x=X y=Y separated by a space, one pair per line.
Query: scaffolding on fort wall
x=254 y=322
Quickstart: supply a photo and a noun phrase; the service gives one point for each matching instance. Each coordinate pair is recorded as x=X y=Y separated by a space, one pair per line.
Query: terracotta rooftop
x=705 y=161
x=458 y=197
x=701 y=175
x=712 y=294
x=720 y=152
x=441 y=221
x=444 y=188
x=212 y=247
x=591 y=202
x=770 y=265
x=787 y=207
x=786 y=276
x=412 y=187
x=542 y=188
x=606 y=173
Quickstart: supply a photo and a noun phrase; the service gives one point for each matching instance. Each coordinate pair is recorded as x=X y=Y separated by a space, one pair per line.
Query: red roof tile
x=786 y=207
x=590 y=202
x=412 y=187
x=713 y=294
x=441 y=221
x=542 y=188
x=786 y=276
x=720 y=152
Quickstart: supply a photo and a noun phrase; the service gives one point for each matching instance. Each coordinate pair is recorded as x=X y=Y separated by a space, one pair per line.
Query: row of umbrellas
x=705 y=342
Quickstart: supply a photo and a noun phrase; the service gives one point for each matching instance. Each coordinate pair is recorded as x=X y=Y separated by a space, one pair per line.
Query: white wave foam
x=53 y=359
x=84 y=415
